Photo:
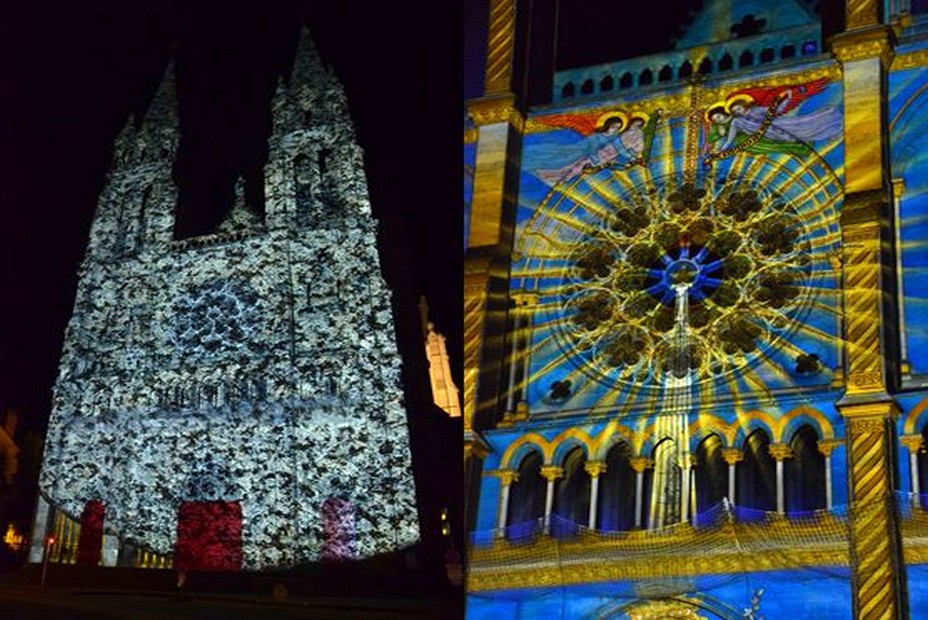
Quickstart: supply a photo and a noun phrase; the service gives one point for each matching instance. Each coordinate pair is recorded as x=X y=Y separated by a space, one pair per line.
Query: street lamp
x=46 y=552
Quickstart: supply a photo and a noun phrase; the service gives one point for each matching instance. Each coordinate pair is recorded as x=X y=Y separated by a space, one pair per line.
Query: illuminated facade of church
x=231 y=400
x=696 y=340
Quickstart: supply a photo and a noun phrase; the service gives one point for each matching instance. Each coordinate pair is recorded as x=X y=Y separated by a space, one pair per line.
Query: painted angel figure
x=745 y=113
x=610 y=139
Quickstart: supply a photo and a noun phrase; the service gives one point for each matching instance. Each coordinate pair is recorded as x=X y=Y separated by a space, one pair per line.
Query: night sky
x=73 y=72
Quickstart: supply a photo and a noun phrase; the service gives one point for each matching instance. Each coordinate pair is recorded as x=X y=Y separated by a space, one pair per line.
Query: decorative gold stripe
x=500 y=38
x=918 y=58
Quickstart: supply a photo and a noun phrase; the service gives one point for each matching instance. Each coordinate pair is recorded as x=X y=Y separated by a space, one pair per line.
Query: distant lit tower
x=232 y=399
x=444 y=391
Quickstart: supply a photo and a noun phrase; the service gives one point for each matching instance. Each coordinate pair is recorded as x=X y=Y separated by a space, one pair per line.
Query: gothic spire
x=162 y=109
x=307 y=66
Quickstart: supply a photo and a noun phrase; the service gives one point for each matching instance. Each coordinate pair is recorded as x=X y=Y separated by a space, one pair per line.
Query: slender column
x=781 y=452
x=913 y=443
x=528 y=323
x=506 y=478
x=594 y=468
x=513 y=354
x=687 y=463
x=639 y=464
x=551 y=473
x=732 y=456
x=898 y=191
x=826 y=447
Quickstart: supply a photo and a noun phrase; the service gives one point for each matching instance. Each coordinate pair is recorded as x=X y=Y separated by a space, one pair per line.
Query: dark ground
x=146 y=594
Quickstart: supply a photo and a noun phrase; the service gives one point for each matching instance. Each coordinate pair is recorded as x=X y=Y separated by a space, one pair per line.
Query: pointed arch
x=686 y=70
x=521 y=446
x=726 y=62
x=757 y=485
x=565 y=441
x=804 y=473
x=571 y=494
x=711 y=473
x=617 y=489
x=612 y=434
x=705 y=66
x=663 y=484
x=802 y=415
x=916 y=419
x=526 y=497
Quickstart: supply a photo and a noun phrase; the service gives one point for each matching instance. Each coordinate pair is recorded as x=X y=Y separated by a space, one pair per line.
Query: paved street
x=28 y=603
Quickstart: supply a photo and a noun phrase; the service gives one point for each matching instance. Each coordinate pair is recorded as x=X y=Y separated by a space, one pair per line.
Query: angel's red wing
x=766 y=96
x=584 y=124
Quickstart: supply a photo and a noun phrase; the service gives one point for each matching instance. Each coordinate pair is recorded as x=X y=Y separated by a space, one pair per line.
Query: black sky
x=73 y=72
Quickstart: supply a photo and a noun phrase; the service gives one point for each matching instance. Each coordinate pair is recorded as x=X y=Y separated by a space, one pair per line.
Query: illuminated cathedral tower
x=696 y=351
x=232 y=399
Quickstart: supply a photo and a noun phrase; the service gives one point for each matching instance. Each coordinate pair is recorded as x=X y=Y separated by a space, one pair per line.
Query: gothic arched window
x=711 y=474
x=757 y=476
x=616 y=503
x=666 y=73
x=923 y=469
x=645 y=78
x=726 y=62
x=568 y=90
x=663 y=484
x=626 y=81
x=686 y=70
x=571 y=495
x=526 y=498
x=705 y=67
x=587 y=87
x=606 y=84
x=804 y=473
x=746 y=59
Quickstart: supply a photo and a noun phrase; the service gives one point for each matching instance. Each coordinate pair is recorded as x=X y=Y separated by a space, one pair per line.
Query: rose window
x=688 y=283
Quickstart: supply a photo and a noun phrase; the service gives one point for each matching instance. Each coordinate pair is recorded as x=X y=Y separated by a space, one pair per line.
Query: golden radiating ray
x=734 y=174
x=822 y=242
x=914 y=219
x=668 y=153
x=627 y=394
x=816 y=334
x=706 y=391
x=915 y=300
x=599 y=200
x=775 y=368
x=908 y=102
x=811 y=188
x=914 y=245
x=555 y=362
x=550 y=271
x=816 y=204
x=647 y=178
x=542 y=215
x=621 y=180
x=632 y=402
x=755 y=383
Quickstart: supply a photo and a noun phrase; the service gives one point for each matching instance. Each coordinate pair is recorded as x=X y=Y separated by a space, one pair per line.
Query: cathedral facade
x=694 y=321
x=231 y=400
